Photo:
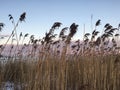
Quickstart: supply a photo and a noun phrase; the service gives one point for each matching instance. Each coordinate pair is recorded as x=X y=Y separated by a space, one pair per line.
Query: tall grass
x=86 y=69
x=78 y=73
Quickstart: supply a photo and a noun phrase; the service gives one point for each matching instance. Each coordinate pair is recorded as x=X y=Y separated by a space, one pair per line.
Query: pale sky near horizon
x=41 y=14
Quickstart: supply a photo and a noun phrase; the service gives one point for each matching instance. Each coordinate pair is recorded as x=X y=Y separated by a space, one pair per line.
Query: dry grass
x=87 y=69
x=78 y=73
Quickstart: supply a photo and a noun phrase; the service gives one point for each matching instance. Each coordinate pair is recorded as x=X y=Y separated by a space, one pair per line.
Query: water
x=10 y=86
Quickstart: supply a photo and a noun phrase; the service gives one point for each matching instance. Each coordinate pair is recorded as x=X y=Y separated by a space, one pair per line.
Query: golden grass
x=78 y=73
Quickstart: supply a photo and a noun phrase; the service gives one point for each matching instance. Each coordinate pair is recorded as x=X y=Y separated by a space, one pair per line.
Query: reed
x=78 y=73
x=43 y=66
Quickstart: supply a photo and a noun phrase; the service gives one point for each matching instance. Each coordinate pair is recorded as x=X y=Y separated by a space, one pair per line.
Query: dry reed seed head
x=1 y=26
x=110 y=34
x=26 y=35
x=32 y=37
x=111 y=31
x=1 y=46
x=51 y=31
x=108 y=28
x=118 y=26
x=93 y=31
x=73 y=46
x=10 y=17
x=53 y=36
x=93 y=36
x=58 y=46
x=2 y=37
x=12 y=47
x=56 y=24
x=47 y=37
x=106 y=25
x=96 y=33
x=56 y=42
x=42 y=42
x=13 y=32
x=113 y=40
x=98 y=23
x=64 y=37
x=105 y=35
x=35 y=46
x=21 y=34
x=22 y=17
x=62 y=33
x=35 y=41
x=25 y=44
x=87 y=34
x=78 y=41
x=86 y=40
x=73 y=29
x=114 y=29
x=117 y=35
x=98 y=41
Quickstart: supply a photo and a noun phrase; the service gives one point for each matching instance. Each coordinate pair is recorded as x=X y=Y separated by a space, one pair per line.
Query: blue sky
x=41 y=14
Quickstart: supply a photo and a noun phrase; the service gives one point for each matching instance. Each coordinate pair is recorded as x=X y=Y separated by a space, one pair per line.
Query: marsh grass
x=79 y=73
x=86 y=69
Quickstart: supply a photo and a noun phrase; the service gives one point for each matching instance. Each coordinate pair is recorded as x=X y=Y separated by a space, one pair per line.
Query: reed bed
x=47 y=63
x=78 y=73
